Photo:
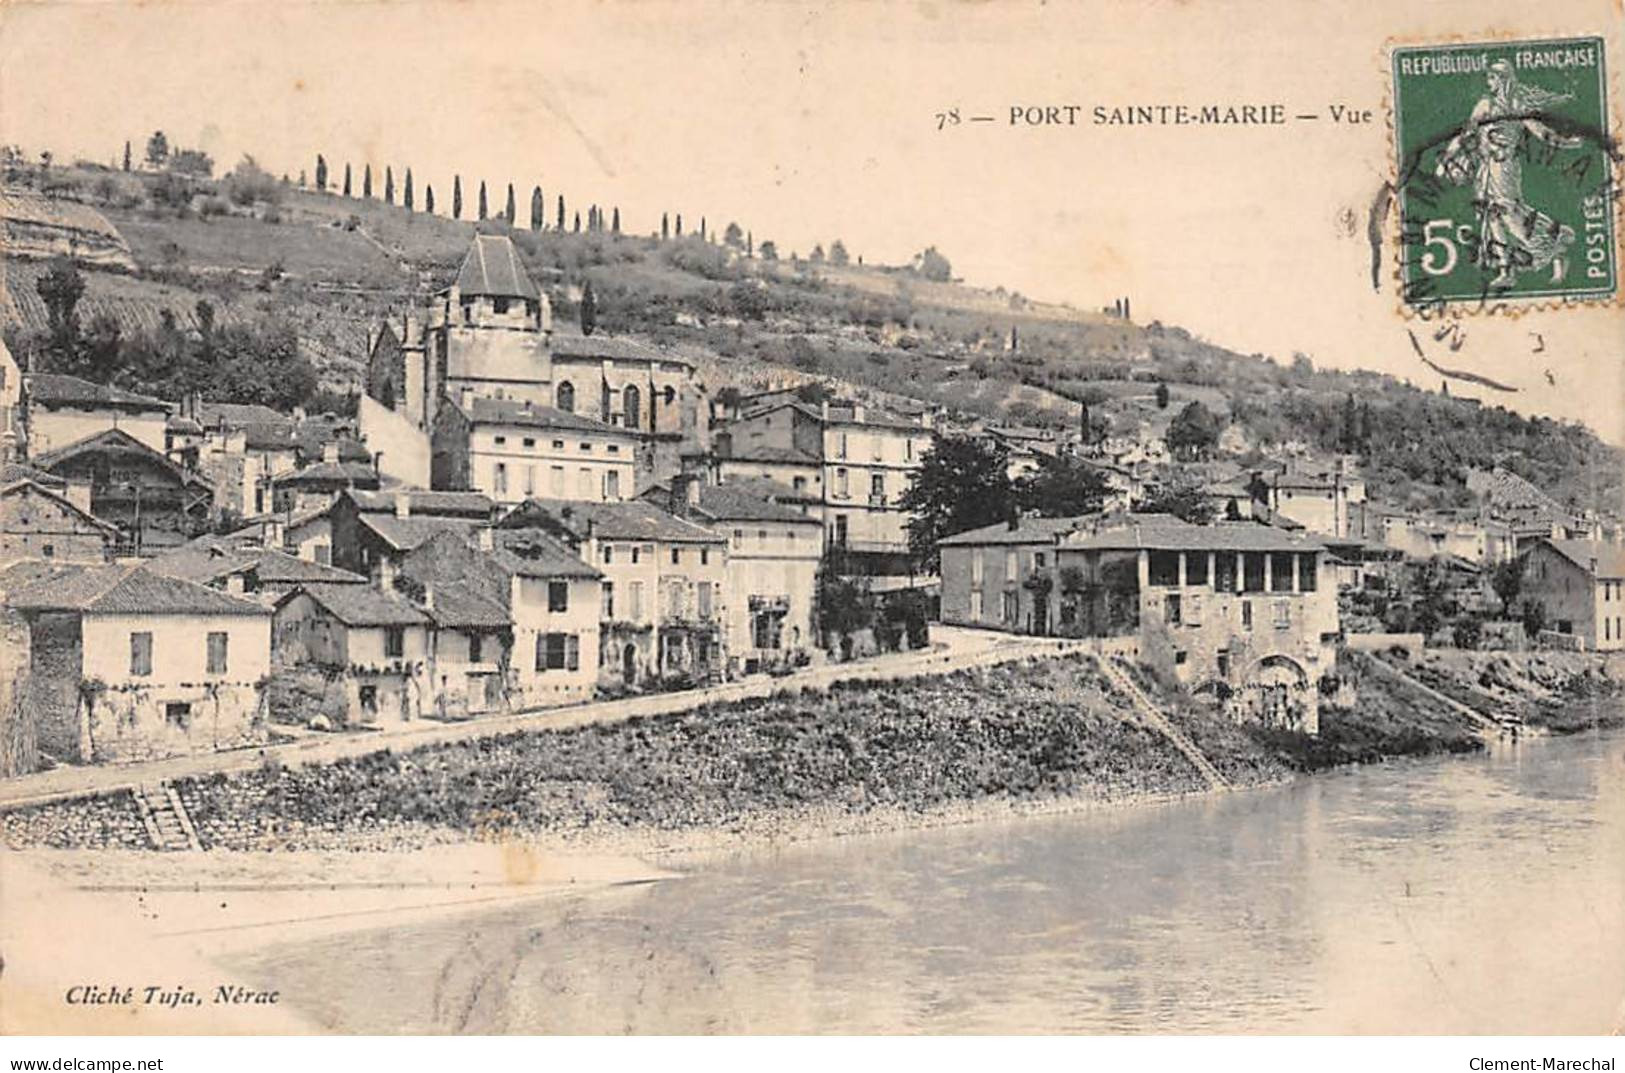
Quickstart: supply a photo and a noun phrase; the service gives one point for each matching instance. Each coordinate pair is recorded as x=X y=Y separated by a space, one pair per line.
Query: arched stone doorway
x=1278 y=694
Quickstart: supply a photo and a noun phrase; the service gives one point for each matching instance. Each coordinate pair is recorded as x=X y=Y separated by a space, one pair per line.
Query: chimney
x=823 y=409
x=383 y=576
x=274 y=534
x=428 y=597
x=857 y=412
x=693 y=488
x=486 y=538
x=403 y=505
x=330 y=451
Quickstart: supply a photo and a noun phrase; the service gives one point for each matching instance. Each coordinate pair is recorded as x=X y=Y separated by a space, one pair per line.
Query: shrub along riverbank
x=1039 y=732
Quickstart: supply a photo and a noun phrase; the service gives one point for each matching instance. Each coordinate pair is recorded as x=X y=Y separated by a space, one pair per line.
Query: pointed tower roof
x=492 y=269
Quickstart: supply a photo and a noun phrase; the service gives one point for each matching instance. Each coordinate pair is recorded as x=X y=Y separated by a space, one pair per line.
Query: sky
x=811 y=123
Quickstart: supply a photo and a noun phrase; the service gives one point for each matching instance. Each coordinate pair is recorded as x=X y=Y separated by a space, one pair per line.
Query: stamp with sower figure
x=1506 y=173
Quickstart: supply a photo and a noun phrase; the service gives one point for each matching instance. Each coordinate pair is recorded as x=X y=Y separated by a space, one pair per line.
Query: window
x=612 y=482
x=613 y=448
x=587 y=448
x=1011 y=607
x=1252 y=572
x=558 y=652
x=840 y=530
x=739 y=538
x=798 y=483
x=558 y=596
x=558 y=445
x=565 y=397
x=584 y=483
x=1307 y=578
x=394 y=642
x=140 y=654
x=841 y=452
x=631 y=404
x=1171 y=609
x=499 y=480
x=705 y=556
x=1283 y=614
x=761 y=536
x=608 y=553
x=703 y=598
x=1281 y=567
x=1038 y=559
x=976 y=605
x=635 y=600
x=1193 y=610
x=217 y=652
x=908 y=450
x=556 y=481
x=501 y=441
x=530 y=442
x=676 y=556
x=877 y=487
x=1196 y=568
x=499 y=305
x=474 y=648
x=530 y=480
x=977 y=563
x=1010 y=567
x=1180 y=656
x=843 y=485
x=1165 y=568
x=179 y=713
x=1246 y=614
x=609 y=600
x=1224 y=664
x=635 y=550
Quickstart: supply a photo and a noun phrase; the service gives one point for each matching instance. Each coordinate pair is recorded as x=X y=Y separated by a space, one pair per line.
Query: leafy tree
x=1194 y=432
x=406 y=191
x=1183 y=499
x=838 y=255
x=248 y=183
x=456 y=197
x=126 y=154
x=484 y=210
x=346 y=178
x=538 y=209
x=931 y=264
x=366 y=181
x=1507 y=581
x=1162 y=395
x=60 y=288
x=509 y=211
x=321 y=173
x=157 y=150
x=733 y=235
x=962 y=483
x=389 y=185
x=817 y=254
x=589 y=309
x=559 y=223
x=1534 y=618
x=844 y=606
x=1062 y=487
x=428 y=198
x=770 y=250
x=193 y=162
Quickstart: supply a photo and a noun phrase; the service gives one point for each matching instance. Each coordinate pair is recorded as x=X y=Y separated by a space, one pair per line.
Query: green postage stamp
x=1505 y=181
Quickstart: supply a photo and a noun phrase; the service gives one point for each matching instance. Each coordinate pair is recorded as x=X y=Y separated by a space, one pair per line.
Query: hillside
x=331 y=266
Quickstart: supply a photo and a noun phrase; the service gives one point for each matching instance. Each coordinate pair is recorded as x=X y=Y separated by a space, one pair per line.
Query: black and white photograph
x=564 y=518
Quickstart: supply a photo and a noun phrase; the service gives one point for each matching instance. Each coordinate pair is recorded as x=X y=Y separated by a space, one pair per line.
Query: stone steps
x=1152 y=717
x=168 y=826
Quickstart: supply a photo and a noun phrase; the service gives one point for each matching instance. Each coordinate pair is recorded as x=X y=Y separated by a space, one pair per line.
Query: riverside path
x=953 y=649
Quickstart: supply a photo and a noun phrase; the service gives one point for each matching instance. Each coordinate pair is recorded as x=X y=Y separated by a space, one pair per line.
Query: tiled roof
x=404 y=534
x=182 y=423
x=1027 y=531
x=634 y=520
x=127 y=590
x=11 y=472
x=492 y=269
x=458 y=608
x=613 y=347
x=1155 y=533
x=62 y=390
x=114 y=441
x=209 y=558
x=278 y=567
x=737 y=501
x=54 y=492
x=1610 y=558
x=363 y=605
x=318 y=472
x=237 y=414
x=532 y=553
x=471 y=504
x=529 y=415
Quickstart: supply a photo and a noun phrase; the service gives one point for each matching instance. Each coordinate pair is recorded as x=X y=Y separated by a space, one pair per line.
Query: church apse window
x=567 y=397
x=631 y=406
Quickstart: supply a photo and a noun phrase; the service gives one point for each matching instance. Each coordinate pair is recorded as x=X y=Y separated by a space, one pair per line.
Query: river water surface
x=1476 y=895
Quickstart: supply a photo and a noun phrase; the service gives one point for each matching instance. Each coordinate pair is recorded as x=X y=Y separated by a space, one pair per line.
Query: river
x=1462 y=895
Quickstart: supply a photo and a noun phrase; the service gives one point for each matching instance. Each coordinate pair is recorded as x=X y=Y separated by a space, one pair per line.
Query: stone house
x=370 y=528
x=126 y=664
x=514 y=451
x=663 y=595
x=994 y=577
x=319 y=483
x=372 y=638
x=155 y=502
x=774 y=555
x=246 y=567
x=1580 y=585
x=60 y=410
x=40 y=522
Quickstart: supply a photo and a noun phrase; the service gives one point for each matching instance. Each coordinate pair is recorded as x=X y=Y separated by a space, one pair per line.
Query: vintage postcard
x=1091 y=518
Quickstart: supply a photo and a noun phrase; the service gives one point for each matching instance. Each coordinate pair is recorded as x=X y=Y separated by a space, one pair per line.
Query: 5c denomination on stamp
x=1506 y=172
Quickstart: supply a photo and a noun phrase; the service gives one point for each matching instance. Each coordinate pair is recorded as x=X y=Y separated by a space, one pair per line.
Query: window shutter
x=572 y=652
